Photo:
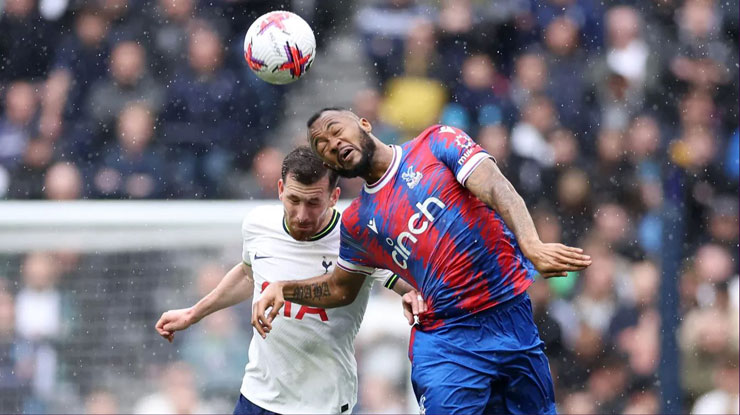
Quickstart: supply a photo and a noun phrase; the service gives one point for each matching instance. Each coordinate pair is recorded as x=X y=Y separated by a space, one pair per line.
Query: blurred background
x=617 y=121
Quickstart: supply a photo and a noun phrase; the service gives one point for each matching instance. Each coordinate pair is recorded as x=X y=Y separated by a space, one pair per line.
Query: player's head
x=342 y=140
x=308 y=190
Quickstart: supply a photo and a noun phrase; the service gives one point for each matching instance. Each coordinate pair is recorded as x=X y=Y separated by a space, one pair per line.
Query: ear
x=334 y=197
x=365 y=125
x=281 y=189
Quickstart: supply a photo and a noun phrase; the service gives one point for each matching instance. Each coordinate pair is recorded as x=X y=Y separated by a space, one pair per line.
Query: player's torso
x=309 y=353
x=417 y=216
x=425 y=226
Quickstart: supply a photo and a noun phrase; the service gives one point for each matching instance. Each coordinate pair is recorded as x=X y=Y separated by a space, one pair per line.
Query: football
x=279 y=47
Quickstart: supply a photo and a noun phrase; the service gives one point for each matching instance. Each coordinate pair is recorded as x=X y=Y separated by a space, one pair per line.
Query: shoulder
x=262 y=217
x=350 y=215
x=441 y=135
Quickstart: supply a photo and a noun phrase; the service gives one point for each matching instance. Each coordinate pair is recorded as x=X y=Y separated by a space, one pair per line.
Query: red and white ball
x=279 y=47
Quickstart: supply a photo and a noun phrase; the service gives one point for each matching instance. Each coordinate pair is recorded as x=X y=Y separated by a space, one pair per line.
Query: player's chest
x=276 y=259
x=405 y=217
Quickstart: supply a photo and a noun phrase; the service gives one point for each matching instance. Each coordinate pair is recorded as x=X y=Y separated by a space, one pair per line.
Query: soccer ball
x=279 y=47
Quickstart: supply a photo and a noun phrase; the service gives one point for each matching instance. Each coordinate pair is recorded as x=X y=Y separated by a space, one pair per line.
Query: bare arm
x=236 y=286
x=328 y=291
x=492 y=188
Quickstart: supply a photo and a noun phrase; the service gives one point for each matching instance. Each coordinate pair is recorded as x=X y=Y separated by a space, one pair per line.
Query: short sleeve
x=352 y=255
x=457 y=151
x=247 y=239
x=385 y=277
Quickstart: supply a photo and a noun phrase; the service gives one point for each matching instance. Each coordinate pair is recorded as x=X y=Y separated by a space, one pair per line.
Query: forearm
x=236 y=286
x=402 y=287
x=512 y=209
x=326 y=291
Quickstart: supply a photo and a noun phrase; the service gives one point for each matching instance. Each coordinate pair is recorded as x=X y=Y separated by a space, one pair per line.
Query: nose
x=334 y=145
x=302 y=215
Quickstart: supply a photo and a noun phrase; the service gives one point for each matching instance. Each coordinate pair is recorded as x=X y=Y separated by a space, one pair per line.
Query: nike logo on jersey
x=372 y=226
x=256 y=257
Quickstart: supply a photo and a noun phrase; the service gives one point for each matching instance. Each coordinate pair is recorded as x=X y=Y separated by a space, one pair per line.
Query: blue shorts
x=490 y=363
x=245 y=407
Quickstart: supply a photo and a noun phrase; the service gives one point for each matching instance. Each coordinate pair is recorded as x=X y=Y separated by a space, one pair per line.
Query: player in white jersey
x=309 y=365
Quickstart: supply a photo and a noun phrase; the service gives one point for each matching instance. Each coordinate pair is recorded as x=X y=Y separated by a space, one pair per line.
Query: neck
x=324 y=222
x=380 y=163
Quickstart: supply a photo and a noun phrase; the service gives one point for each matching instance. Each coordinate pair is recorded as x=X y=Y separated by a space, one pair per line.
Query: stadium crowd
x=599 y=113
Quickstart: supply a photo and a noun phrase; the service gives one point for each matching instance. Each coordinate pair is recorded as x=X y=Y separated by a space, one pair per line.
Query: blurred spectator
x=170 y=37
x=265 y=173
x=578 y=403
x=606 y=383
x=529 y=136
x=29 y=58
x=585 y=14
x=530 y=78
x=476 y=96
x=643 y=402
x=215 y=351
x=101 y=402
x=129 y=81
x=176 y=394
x=17 y=125
x=565 y=64
x=459 y=35
x=16 y=365
x=702 y=56
x=596 y=304
x=367 y=105
x=628 y=71
x=201 y=93
x=723 y=399
x=574 y=202
x=79 y=63
x=133 y=167
x=63 y=181
x=723 y=220
x=384 y=26
x=39 y=315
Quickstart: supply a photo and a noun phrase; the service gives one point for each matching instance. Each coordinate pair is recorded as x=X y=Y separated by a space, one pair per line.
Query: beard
x=367 y=147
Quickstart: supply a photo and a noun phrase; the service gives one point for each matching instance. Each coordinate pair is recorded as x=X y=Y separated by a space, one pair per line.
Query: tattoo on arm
x=313 y=291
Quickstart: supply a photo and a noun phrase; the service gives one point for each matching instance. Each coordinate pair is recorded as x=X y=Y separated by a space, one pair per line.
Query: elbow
x=346 y=297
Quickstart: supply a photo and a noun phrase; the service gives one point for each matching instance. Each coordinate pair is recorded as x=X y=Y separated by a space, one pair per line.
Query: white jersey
x=306 y=364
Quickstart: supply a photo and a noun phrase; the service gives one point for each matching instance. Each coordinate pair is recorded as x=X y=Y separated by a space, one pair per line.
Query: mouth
x=345 y=154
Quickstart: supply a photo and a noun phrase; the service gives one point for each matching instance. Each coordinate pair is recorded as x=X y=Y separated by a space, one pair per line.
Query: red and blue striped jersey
x=421 y=222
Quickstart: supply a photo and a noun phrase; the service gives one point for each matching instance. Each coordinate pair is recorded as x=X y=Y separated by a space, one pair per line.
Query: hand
x=172 y=321
x=556 y=260
x=272 y=296
x=413 y=305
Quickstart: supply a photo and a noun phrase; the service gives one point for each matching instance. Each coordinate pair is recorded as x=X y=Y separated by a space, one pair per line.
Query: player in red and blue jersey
x=438 y=212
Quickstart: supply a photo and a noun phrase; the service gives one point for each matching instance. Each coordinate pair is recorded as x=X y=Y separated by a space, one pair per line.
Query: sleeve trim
x=468 y=168
x=391 y=282
x=350 y=267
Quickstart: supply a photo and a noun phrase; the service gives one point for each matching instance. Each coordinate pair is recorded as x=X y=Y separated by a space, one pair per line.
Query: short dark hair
x=307 y=168
x=317 y=114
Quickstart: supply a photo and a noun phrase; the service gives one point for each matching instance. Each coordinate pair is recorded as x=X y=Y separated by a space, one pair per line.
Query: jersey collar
x=388 y=175
x=322 y=233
